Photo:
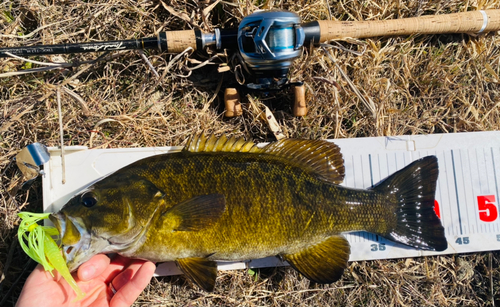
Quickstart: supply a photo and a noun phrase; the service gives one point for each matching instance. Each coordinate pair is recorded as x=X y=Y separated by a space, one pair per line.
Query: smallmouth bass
x=225 y=199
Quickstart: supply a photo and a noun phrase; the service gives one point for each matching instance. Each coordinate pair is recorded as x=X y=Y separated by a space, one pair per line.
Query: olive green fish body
x=221 y=199
x=277 y=207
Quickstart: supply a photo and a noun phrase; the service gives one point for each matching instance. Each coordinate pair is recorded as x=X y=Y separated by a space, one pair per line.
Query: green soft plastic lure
x=42 y=248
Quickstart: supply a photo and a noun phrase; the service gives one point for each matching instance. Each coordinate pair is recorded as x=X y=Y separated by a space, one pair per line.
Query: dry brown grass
x=418 y=85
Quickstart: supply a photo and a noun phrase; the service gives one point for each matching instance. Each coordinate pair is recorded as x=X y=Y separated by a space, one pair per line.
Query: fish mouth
x=75 y=239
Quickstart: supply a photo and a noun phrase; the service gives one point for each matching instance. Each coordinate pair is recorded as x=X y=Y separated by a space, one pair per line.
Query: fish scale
x=205 y=204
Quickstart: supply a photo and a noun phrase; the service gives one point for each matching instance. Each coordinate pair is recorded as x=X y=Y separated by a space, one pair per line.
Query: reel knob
x=232 y=102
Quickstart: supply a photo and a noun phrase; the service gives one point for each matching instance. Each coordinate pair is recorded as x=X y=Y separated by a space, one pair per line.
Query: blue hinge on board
x=29 y=160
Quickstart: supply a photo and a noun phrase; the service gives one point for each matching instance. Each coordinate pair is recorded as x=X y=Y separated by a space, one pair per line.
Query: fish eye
x=88 y=199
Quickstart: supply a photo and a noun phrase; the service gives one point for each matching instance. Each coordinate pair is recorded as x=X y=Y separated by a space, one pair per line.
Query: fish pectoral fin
x=324 y=262
x=196 y=213
x=201 y=271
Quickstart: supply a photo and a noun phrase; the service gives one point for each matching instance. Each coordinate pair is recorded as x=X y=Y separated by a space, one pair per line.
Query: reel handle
x=299 y=105
x=467 y=22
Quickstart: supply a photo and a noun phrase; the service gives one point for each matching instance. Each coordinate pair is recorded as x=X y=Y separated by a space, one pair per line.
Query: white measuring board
x=466 y=196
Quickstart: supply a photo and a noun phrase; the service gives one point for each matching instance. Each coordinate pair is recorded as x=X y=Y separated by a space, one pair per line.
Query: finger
x=127 y=295
x=126 y=275
x=93 y=268
x=115 y=267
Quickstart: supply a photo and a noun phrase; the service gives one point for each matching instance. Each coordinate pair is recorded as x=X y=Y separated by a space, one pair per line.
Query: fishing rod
x=268 y=42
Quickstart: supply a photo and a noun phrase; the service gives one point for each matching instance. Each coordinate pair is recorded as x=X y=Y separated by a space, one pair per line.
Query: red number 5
x=488 y=212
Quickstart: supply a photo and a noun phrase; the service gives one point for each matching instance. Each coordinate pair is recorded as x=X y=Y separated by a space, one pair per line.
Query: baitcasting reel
x=268 y=43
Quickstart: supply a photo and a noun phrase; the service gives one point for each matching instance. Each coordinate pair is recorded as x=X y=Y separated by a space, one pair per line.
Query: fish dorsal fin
x=319 y=157
x=202 y=143
x=323 y=263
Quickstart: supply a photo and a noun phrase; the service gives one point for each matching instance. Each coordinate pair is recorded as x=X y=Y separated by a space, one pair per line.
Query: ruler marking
x=353 y=171
x=371 y=171
x=478 y=179
x=362 y=172
x=496 y=181
x=379 y=169
x=456 y=191
x=494 y=172
x=452 y=226
x=487 y=188
x=478 y=172
x=467 y=227
x=488 y=226
x=476 y=215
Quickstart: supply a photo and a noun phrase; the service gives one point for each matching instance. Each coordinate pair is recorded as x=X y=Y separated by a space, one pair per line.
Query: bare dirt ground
x=419 y=84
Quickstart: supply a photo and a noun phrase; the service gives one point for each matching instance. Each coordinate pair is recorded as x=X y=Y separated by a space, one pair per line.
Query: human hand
x=98 y=278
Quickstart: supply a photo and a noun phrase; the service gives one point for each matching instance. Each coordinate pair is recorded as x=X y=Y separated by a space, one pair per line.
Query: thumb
x=93 y=268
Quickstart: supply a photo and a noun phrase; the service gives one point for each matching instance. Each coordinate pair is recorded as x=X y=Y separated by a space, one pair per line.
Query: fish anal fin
x=195 y=213
x=318 y=157
x=201 y=271
x=324 y=262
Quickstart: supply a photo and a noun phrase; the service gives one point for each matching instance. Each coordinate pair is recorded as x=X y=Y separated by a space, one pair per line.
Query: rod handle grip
x=178 y=41
x=467 y=22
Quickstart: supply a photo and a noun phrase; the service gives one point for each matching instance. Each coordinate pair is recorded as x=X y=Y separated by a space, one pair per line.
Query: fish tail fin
x=416 y=222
